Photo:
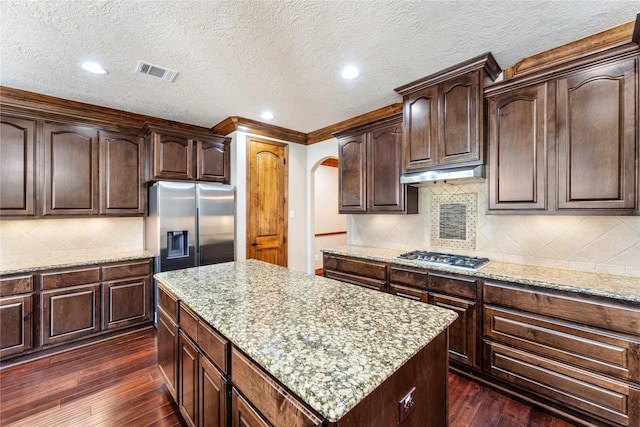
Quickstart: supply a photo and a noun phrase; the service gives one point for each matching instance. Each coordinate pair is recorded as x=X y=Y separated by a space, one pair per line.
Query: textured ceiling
x=238 y=58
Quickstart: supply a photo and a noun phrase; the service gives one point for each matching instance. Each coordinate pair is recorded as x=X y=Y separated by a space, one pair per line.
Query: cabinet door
x=17 y=166
x=463 y=331
x=173 y=157
x=168 y=351
x=597 y=137
x=188 y=377
x=126 y=302
x=351 y=174
x=460 y=120
x=70 y=170
x=384 y=160
x=213 y=161
x=243 y=415
x=421 y=129
x=70 y=313
x=518 y=149
x=16 y=324
x=122 y=187
x=212 y=395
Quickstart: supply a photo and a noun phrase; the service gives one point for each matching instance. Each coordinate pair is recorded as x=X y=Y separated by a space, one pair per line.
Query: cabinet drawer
x=461 y=287
x=269 y=397
x=188 y=322
x=605 y=398
x=575 y=344
x=168 y=302
x=213 y=345
x=408 y=292
x=371 y=269
x=62 y=279
x=376 y=285
x=408 y=277
x=125 y=271
x=16 y=285
x=601 y=313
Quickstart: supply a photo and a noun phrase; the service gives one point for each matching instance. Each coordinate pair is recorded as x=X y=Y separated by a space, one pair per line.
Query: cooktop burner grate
x=445 y=259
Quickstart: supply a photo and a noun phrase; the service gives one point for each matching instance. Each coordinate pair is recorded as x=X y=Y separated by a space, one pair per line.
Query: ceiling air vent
x=155 y=71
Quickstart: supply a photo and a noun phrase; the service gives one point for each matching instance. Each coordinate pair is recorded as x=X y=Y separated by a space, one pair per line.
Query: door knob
x=254 y=244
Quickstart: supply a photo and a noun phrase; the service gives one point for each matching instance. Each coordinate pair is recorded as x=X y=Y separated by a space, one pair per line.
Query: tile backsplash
x=22 y=240
x=607 y=244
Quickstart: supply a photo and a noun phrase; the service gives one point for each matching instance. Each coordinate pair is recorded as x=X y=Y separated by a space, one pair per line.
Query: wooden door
x=71 y=170
x=384 y=167
x=421 y=129
x=518 y=149
x=460 y=114
x=267 y=201
x=597 y=138
x=213 y=160
x=122 y=187
x=212 y=395
x=17 y=166
x=352 y=167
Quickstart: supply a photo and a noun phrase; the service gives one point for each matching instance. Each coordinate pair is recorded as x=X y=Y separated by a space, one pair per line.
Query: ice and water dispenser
x=177 y=244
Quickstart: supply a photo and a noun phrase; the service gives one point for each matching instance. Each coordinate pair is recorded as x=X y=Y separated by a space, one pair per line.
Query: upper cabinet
x=443 y=116
x=370 y=159
x=184 y=155
x=17 y=166
x=564 y=139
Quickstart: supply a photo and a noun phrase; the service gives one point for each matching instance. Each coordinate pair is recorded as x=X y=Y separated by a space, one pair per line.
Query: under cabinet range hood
x=459 y=175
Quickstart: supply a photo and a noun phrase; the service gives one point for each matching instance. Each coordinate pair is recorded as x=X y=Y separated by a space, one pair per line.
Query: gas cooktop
x=438 y=258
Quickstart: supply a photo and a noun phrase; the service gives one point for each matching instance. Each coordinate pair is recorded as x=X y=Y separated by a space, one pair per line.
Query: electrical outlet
x=317 y=257
x=406 y=405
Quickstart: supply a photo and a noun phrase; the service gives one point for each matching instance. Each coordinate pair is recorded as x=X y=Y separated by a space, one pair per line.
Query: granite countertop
x=40 y=264
x=328 y=342
x=625 y=288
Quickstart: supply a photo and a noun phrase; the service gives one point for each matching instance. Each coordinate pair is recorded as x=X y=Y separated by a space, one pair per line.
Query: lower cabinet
x=70 y=313
x=188 y=379
x=167 y=336
x=580 y=354
x=212 y=390
x=243 y=414
x=16 y=320
x=368 y=274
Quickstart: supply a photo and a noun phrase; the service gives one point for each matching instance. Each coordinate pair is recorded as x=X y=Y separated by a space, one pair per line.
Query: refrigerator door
x=176 y=210
x=216 y=222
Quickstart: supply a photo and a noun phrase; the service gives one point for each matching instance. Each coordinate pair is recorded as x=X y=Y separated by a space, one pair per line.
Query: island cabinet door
x=243 y=414
x=188 y=368
x=168 y=351
x=212 y=395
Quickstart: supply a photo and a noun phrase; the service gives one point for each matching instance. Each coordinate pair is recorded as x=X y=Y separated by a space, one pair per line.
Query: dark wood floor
x=116 y=383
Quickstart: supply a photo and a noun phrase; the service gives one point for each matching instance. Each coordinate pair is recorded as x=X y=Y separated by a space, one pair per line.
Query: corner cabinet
x=184 y=155
x=370 y=159
x=443 y=116
x=565 y=140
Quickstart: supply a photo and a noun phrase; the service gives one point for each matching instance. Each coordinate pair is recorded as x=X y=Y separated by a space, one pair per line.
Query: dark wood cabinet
x=70 y=170
x=16 y=315
x=243 y=414
x=168 y=351
x=443 y=116
x=188 y=370
x=183 y=155
x=212 y=393
x=518 y=145
x=70 y=313
x=122 y=186
x=17 y=166
x=370 y=165
x=564 y=139
x=578 y=354
x=368 y=274
x=126 y=302
x=597 y=119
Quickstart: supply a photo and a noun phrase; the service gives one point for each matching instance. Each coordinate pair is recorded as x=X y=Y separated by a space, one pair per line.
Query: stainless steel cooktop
x=438 y=258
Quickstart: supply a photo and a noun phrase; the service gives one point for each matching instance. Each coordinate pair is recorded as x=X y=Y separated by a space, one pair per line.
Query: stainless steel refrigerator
x=190 y=224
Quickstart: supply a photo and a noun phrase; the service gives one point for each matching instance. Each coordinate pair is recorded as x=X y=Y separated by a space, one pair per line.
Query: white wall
x=325 y=207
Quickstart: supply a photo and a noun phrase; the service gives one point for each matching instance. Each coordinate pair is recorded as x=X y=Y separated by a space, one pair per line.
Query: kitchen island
x=296 y=349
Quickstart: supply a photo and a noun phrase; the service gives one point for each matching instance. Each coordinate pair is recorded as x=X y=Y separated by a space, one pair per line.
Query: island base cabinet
x=167 y=336
x=212 y=401
x=188 y=380
x=243 y=414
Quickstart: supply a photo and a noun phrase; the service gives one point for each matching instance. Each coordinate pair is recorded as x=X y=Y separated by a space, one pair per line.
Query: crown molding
x=242 y=124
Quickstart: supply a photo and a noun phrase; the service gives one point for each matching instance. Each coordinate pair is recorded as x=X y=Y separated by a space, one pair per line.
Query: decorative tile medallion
x=453 y=220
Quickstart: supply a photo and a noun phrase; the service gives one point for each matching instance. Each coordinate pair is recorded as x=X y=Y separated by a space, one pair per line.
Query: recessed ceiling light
x=267 y=115
x=93 y=67
x=350 y=72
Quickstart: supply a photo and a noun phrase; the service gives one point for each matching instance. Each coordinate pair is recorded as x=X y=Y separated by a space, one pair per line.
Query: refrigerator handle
x=197 y=236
